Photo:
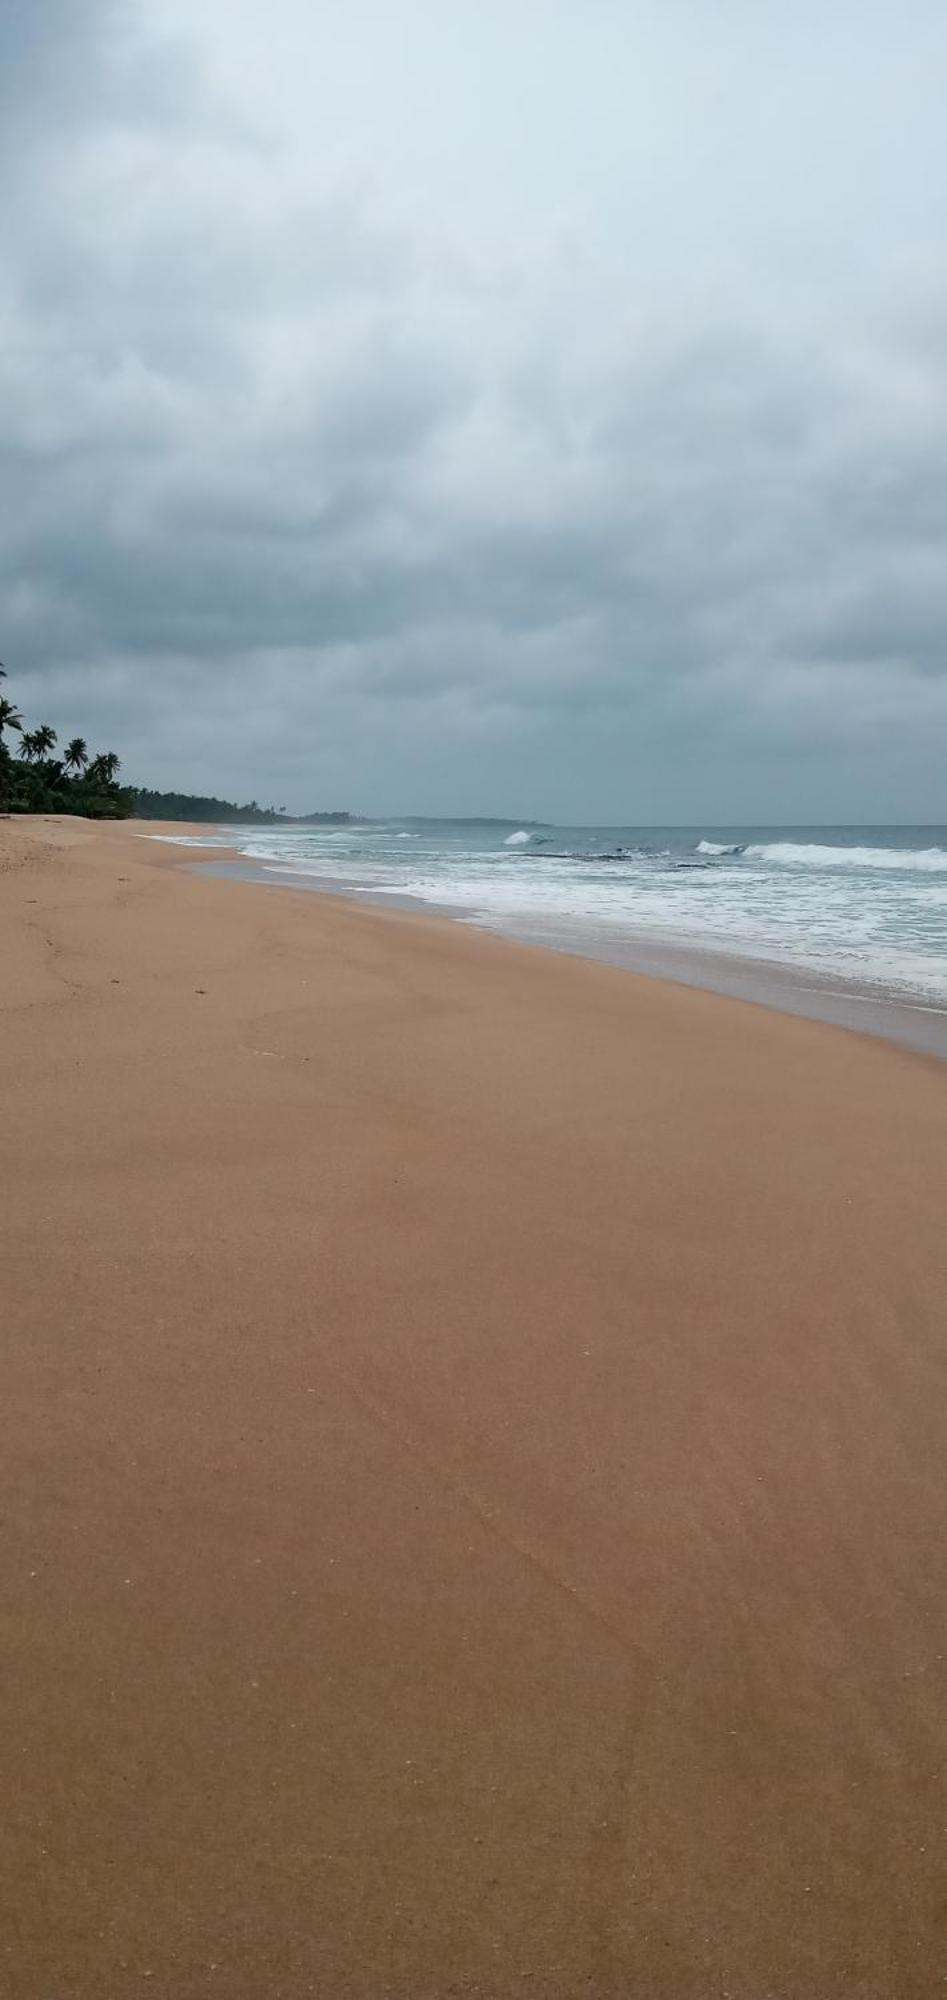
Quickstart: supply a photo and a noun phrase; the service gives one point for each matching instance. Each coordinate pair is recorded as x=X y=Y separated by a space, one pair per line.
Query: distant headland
x=193 y=806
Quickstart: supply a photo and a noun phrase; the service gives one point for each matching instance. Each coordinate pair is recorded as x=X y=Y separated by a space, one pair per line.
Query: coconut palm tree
x=105 y=766
x=77 y=754
x=45 y=739
x=9 y=718
x=30 y=744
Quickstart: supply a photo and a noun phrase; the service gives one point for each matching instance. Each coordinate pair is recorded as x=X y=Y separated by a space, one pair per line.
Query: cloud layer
x=345 y=462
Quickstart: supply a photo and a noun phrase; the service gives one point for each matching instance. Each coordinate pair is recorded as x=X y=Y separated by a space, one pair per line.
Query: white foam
x=718 y=847
x=931 y=860
x=186 y=839
x=877 y=916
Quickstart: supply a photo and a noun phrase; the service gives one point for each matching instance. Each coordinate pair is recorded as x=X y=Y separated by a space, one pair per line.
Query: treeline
x=186 y=805
x=191 y=806
x=34 y=779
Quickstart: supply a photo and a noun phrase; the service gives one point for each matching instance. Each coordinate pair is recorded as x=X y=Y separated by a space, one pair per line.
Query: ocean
x=857 y=908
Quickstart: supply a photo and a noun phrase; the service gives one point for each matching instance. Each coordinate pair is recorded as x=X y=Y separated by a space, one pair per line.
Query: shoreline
x=916 y=1024
x=472 y=1429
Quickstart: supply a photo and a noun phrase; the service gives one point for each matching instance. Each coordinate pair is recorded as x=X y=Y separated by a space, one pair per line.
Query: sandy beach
x=473 y=1444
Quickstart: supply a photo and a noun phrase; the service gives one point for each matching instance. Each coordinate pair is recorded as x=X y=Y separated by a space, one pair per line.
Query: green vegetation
x=190 y=806
x=36 y=781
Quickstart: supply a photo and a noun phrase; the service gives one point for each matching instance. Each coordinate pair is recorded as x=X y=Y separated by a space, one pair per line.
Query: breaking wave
x=924 y=860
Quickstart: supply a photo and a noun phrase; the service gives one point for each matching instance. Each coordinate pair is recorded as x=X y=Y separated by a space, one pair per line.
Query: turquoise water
x=866 y=906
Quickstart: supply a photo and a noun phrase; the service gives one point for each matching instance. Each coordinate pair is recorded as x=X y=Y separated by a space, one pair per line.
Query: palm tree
x=30 y=744
x=45 y=739
x=105 y=766
x=9 y=718
x=77 y=754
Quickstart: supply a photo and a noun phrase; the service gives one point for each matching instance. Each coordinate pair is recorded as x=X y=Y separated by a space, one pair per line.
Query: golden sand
x=473 y=1448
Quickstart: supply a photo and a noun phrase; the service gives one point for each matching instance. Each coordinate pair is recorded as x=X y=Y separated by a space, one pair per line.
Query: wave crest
x=924 y=860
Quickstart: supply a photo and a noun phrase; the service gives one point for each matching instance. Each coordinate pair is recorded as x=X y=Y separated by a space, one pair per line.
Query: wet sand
x=472 y=1445
x=792 y=989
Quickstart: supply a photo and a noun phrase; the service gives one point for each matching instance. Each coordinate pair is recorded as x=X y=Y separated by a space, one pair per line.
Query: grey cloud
x=53 y=57
x=305 y=498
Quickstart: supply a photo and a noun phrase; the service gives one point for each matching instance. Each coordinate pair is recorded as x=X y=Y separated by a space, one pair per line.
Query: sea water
x=864 y=906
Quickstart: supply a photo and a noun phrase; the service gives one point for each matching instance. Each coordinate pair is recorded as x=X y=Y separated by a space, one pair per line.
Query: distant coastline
x=195 y=807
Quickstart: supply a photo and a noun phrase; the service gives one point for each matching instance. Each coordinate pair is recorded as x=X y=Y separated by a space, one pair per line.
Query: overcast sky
x=482 y=405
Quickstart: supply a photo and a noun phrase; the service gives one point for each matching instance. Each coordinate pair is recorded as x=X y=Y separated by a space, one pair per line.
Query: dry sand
x=473 y=1442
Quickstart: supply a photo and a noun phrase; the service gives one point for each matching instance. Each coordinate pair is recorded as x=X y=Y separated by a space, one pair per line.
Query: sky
x=482 y=406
